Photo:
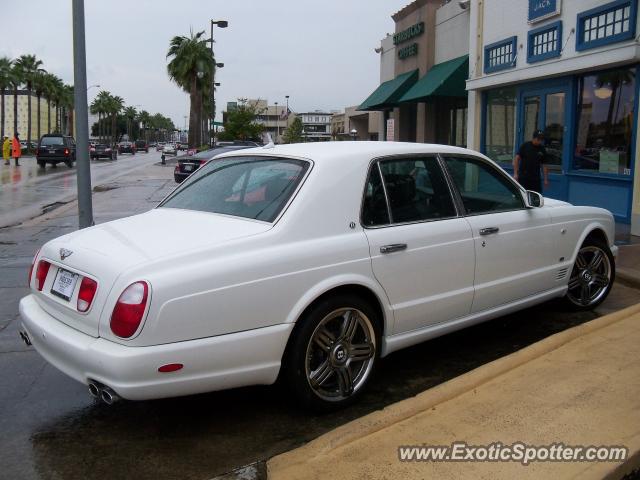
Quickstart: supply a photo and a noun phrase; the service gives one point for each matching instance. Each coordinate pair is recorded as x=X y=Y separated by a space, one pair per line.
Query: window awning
x=388 y=93
x=446 y=79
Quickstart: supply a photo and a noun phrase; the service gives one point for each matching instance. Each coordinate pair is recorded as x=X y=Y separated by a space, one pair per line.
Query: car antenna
x=270 y=143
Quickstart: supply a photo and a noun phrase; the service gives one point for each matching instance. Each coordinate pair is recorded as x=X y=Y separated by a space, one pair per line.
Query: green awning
x=447 y=79
x=388 y=93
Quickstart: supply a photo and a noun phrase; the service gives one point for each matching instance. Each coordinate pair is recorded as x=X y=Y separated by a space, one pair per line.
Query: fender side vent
x=562 y=273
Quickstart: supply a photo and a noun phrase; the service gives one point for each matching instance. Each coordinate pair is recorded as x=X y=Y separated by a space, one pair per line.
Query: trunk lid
x=105 y=251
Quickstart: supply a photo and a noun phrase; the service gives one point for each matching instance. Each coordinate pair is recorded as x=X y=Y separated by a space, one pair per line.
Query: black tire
x=42 y=164
x=69 y=163
x=591 y=277
x=320 y=347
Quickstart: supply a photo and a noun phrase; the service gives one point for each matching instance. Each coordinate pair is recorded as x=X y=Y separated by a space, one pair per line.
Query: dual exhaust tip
x=102 y=392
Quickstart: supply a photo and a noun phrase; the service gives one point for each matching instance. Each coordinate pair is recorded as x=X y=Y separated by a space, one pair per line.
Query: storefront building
x=569 y=68
x=425 y=100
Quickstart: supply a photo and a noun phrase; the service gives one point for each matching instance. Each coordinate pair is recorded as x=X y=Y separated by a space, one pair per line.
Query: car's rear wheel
x=42 y=163
x=592 y=276
x=333 y=352
x=69 y=163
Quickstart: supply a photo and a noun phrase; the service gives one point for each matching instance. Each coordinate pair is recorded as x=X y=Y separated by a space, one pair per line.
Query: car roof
x=364 y=151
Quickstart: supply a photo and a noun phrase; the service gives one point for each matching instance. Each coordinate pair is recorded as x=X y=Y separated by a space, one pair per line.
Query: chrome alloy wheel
x=340 y=354
x=590 y=277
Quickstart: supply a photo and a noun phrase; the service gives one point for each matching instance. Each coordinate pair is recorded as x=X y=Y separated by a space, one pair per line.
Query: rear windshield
x=46 y=141
x=248 y=187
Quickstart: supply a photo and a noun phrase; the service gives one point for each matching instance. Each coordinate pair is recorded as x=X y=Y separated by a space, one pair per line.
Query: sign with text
x=390 y=130
x=542 y=9
x=409 y=33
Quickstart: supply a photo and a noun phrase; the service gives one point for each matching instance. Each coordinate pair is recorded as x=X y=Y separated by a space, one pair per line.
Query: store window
x=500 y=55
x=609 y=23
x=606 y=102
x=500 y=123
x=544 y=43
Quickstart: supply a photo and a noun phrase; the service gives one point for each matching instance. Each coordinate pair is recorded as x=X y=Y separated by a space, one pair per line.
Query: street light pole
x=85 y=207
x=221 y=24
x=277 y=124
x=287 y=97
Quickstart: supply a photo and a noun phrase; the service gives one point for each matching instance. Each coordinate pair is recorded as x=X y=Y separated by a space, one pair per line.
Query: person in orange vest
x=17 y=151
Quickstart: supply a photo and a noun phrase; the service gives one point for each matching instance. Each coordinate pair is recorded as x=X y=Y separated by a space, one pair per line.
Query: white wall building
x=569 y=68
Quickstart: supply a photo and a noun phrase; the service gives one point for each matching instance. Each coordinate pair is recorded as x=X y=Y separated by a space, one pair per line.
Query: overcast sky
x=320 y=53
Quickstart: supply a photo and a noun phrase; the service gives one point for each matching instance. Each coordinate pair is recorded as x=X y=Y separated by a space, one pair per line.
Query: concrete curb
x=405 y=409
x=628 y=277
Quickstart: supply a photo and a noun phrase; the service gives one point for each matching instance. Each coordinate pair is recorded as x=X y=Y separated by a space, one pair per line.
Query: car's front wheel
x=333 y=352
x=592 y=276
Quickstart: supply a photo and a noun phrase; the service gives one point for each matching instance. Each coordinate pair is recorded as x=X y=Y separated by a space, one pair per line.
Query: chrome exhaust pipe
x=109 y=396
x=94 y=390
x=25 y=338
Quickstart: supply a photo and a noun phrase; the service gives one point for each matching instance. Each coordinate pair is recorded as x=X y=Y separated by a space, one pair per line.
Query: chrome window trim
x=403 y=156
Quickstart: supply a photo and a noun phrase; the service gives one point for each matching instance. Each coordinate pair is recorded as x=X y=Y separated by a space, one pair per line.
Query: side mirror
x=534 y=199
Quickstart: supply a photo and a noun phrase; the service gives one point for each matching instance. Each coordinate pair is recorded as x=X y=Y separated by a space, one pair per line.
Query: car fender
x=320 y=288
x=593 y=225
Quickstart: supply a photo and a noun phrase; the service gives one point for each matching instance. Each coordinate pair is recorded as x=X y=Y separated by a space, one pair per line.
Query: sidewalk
x=578 y=387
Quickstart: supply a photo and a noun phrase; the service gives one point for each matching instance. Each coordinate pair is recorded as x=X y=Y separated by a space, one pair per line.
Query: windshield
x=248 y=187
x=51 y=141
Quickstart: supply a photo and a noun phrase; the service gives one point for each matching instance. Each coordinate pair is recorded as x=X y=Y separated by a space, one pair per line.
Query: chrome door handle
x=395 y=247
x=489 y=230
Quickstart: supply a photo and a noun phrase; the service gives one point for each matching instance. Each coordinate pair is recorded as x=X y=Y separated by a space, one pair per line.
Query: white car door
x=513 y=244
x=421 y=250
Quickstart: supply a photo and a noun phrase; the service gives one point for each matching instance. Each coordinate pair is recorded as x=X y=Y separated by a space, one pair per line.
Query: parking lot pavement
x=577 y=388
x=51 y=428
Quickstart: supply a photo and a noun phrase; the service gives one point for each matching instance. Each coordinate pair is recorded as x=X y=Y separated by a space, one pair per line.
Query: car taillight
x=33 y=263
x=177 y=169
x=66 y=151
x=129 y=310
x=87 y=291
x=41 y=273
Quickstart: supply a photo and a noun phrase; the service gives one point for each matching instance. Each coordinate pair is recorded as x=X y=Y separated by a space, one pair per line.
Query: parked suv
x=141 y=146
x=127 y=147
x=55 y=148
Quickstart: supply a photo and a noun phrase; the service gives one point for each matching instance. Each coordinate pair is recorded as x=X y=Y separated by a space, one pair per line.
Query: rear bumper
x=53 y=159
x=216 y=363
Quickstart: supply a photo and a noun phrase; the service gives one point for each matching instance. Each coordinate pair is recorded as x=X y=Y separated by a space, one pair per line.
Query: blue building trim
x=555 y=27
x=494 y=47
x=594 y=13
x=611 y=191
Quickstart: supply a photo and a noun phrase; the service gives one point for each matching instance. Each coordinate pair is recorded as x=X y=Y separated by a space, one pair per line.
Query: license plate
x=52 y=151
x=188 y=168
x=64 y=284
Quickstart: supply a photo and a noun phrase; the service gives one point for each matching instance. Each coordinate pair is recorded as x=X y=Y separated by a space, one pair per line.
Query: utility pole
x=83 y=167
x=277 y=124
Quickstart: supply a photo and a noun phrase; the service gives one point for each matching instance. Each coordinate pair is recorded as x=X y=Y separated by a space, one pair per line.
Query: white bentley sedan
x=309 y=262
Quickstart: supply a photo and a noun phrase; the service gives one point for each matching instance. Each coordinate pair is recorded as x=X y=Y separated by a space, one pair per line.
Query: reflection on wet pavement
x=26 y=189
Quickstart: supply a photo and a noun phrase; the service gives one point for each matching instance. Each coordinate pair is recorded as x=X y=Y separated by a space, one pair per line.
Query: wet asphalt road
x=51 y=429
x=27 y=189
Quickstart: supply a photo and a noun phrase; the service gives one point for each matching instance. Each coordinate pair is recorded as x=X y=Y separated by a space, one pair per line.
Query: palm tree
x=191 y=64
x=29 y=67
x=97 y=108
x=6 y=73
x=40 y=87
x=66 y=114
x=115 y=104
x=53 y=85
x=16 y=81
x=130 y=113
x=144 y=118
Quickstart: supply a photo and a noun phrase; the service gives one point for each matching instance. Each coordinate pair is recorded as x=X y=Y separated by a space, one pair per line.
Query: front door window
x=554 y=128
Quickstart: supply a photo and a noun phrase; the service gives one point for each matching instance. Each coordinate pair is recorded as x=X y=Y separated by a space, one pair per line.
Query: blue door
x=546 y=110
